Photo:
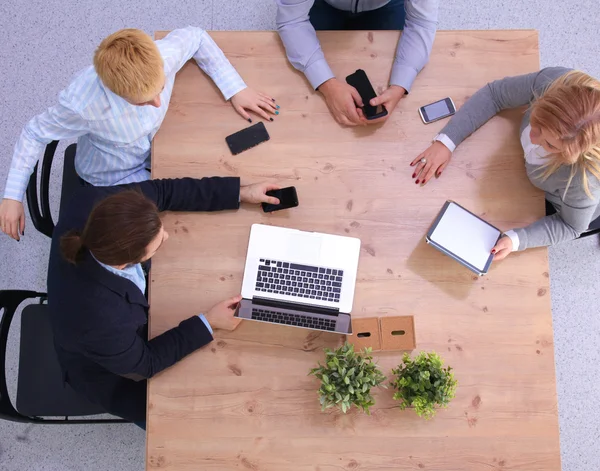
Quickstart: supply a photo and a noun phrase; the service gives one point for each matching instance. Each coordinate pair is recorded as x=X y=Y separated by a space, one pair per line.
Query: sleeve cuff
x=203 y=319
x=512 y=235
x=318 y=73
x=446 y=141
x=403 y=76
x=16 y=184
x=230 y=88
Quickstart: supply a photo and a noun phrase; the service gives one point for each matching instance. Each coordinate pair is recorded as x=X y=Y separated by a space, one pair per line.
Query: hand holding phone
x=288 y=198
x=360 y=81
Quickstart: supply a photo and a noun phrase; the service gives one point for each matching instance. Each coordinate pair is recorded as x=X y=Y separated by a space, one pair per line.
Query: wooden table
x=245 y=402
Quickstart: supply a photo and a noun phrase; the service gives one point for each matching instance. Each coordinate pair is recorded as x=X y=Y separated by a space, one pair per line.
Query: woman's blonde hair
x=569 y=109
x=130 y=65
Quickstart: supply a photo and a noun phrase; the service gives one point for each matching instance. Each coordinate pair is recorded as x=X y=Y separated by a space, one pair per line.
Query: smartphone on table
x=288 y=198
x=360 y=81
x=437 y=110
x=247 y=138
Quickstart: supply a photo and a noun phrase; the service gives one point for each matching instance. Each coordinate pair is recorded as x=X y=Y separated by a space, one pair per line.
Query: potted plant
x=347 y=378
x=423 y=383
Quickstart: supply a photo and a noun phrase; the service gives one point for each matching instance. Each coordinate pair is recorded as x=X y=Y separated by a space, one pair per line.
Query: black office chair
x=39 y=208
x=41 y=391
x=594 y=225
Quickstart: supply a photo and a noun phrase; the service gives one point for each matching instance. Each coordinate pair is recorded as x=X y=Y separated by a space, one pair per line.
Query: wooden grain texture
x=244 y=402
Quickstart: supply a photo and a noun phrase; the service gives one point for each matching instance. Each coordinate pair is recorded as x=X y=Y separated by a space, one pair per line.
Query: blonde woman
x=115 y=108
x=560 y=135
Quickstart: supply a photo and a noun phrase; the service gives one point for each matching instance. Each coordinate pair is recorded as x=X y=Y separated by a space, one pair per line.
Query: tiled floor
x=46 y=41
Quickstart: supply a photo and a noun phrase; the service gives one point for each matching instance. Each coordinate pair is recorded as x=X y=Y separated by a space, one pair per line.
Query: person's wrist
x=243 y=193
x=325 y=87
x=398 y=90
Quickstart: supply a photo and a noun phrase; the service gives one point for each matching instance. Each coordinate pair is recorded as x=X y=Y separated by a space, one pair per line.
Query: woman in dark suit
x=97 y=286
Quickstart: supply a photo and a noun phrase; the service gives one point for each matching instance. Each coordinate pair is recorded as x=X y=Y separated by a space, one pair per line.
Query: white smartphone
x=437 y=110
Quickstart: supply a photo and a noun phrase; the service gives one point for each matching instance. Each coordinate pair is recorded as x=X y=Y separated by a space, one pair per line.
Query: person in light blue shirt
x=115 y=107
x=297 y=21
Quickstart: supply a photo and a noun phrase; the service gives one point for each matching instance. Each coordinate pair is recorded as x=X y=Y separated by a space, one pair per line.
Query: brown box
x=365 y=333
x=397 y=333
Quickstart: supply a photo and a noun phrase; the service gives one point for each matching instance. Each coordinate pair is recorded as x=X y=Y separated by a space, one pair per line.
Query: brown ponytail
x=71 y=245
x=117 y=232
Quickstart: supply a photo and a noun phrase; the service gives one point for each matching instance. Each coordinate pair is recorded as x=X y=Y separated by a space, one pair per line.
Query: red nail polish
x=493 y=251
x=417 y=182
x=414 y=175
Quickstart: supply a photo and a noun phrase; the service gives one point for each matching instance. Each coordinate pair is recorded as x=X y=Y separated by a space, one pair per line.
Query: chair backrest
x=39 y=208
x=39 y=203
x=9 y=302
x=41 y=391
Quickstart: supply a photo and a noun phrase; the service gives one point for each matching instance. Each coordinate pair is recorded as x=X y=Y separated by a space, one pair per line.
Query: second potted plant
x=423 y=383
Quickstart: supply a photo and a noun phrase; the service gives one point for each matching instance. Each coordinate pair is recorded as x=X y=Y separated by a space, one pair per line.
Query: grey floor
x=46 y=41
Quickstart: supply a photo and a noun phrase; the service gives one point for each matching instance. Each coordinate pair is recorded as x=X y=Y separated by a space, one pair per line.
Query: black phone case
x=247 y=138
x=360 y=81
x=269 y=208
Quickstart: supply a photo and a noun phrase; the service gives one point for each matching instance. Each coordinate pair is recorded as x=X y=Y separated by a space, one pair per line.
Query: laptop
x=301 y=279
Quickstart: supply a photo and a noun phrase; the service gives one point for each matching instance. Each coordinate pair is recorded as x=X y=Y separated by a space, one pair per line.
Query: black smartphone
x=247 y=138
x=437 y=110
x=288 y=198
x=360 y=81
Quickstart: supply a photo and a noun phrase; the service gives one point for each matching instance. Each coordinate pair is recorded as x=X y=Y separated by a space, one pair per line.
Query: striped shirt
x=114 y=137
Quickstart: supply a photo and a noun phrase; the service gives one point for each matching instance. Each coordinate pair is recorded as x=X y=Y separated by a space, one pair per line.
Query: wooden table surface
x=245 y=401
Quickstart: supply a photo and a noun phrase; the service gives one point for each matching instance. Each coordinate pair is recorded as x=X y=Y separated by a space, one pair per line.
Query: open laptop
x=301 y=279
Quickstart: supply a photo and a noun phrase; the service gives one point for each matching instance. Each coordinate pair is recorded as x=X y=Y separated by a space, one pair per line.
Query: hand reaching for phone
x=431 y=162
x=257 y=193
x=344 y=102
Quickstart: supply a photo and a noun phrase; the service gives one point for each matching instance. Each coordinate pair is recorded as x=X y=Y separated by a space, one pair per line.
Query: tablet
x=465 y=237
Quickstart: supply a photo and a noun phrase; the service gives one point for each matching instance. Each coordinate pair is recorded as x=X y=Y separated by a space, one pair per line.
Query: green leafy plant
x=347 y=378
x=423 y=383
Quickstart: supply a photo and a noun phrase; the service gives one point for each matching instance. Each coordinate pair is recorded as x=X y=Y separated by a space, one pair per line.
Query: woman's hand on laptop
x=220 y=316
x=502 y=248
x=431 y=162
x=257 y=193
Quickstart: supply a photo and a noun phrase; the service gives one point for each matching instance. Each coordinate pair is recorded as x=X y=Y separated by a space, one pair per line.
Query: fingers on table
x=427 y=173
x=268 y=105
x=242 y=112
x=258 y=109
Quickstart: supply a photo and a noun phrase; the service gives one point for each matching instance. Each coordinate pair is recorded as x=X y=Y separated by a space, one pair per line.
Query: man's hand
x=220 y=316
x=256 y=193
x=502 y=248
x=12 y=218
x=344 y=102
x=259 y=103
x=389 y=99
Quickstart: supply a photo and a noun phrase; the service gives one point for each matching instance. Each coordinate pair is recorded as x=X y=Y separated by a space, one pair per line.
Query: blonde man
x=115 y=108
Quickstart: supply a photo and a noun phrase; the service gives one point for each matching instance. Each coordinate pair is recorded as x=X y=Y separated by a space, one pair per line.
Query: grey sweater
x=576 y=210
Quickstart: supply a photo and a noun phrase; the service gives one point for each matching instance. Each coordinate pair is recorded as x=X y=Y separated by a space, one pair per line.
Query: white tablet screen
x=465 y=235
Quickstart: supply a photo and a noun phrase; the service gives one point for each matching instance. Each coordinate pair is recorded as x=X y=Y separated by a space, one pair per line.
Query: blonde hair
x=130 y=65
x=569 y=109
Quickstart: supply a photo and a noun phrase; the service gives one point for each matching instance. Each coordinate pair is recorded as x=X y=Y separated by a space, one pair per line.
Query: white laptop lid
x=307 y=248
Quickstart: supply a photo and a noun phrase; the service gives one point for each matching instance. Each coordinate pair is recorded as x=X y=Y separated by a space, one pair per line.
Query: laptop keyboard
x=293 y=319
x=303 y=281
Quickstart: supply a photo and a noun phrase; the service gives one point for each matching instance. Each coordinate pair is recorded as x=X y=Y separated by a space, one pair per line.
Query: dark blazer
x=100 y=319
